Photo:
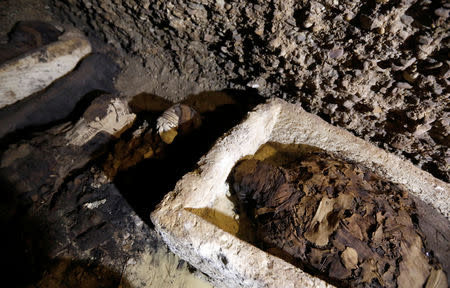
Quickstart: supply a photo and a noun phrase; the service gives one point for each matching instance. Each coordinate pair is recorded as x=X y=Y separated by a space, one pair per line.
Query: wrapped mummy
x=179 y=118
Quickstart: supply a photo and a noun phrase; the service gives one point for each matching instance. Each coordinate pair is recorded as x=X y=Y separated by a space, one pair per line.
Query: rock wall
x=377 y=68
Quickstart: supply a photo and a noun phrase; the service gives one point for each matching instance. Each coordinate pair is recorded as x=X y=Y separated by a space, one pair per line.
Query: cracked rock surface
x=377 y=68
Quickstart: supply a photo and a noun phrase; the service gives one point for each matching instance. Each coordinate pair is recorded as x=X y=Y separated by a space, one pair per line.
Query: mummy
x=180 y=117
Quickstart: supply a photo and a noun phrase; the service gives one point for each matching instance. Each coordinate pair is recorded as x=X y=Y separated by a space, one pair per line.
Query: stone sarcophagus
x=199 y=222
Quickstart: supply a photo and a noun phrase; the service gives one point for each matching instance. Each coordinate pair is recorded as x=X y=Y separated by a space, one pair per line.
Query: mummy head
x=179 y=117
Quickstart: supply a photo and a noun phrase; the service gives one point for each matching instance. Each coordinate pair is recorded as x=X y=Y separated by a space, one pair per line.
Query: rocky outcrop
x=376 y=68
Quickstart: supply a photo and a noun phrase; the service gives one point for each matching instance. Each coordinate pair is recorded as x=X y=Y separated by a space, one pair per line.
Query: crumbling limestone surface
x=376 y=68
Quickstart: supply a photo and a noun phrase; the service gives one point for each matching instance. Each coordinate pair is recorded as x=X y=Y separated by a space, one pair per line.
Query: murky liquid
x=279 y=154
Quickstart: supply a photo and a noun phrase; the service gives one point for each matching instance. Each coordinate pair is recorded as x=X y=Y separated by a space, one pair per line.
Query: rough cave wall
x=377 y=68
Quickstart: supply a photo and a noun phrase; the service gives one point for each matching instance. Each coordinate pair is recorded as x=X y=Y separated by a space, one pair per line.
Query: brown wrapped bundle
x=338 y=221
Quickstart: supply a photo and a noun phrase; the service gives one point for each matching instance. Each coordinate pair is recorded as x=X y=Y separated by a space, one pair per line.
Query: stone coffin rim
x=232 y=262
